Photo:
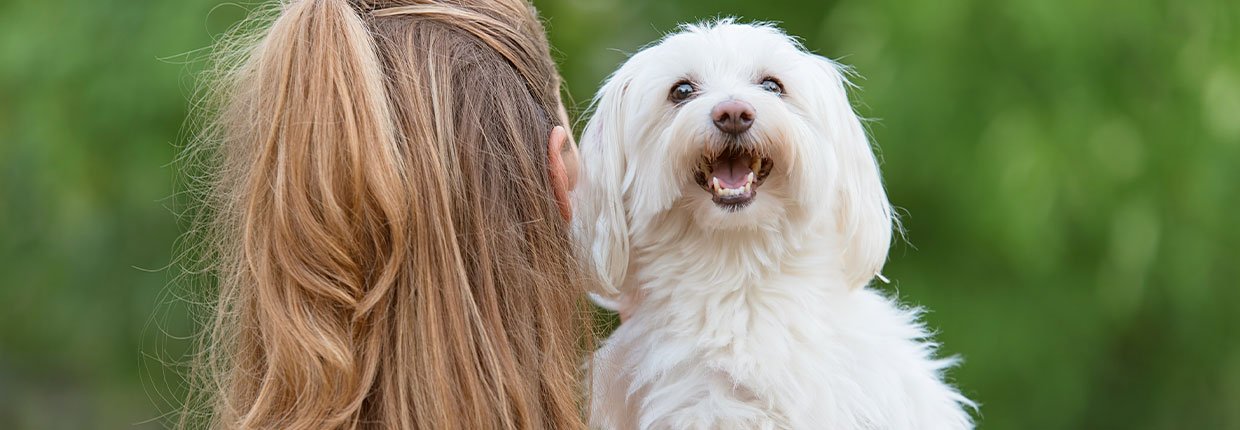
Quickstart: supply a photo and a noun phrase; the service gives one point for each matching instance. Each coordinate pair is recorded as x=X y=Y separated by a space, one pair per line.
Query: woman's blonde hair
x=388 y=250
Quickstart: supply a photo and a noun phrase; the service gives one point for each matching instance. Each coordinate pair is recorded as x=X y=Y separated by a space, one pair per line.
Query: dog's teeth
x=757 y=164
x=719 y=189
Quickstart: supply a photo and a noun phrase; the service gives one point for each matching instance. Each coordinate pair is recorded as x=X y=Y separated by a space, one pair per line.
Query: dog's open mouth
x=733 y=176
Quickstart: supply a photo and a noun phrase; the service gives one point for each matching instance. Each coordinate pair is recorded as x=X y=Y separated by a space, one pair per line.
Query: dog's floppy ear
x=599 y=200
x=863 y=214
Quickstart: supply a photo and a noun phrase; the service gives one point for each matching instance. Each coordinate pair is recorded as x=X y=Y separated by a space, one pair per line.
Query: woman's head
x=389 y=248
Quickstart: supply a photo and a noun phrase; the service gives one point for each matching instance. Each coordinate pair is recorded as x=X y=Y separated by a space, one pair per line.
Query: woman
x=389 y=223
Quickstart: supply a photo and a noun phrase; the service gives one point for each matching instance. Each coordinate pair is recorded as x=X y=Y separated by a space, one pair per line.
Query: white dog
x=731 y=199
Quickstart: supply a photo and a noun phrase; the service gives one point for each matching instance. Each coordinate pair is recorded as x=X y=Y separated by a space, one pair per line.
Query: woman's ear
x=563 y=157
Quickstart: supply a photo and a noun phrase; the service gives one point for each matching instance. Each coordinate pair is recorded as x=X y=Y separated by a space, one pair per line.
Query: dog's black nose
x=732 y=116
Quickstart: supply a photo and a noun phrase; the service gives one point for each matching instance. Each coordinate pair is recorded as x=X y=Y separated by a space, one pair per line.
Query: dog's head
x=739 y=126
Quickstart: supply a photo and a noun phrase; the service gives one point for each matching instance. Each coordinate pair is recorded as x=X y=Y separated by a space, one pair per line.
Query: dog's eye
x=681 y=92
x=772 y=85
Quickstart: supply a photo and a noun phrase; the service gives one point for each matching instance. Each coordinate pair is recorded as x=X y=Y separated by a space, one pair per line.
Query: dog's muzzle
x=732 y=171
x=732 y=176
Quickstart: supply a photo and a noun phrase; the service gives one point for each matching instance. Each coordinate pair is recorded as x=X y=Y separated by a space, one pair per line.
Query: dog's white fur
x=758 y=318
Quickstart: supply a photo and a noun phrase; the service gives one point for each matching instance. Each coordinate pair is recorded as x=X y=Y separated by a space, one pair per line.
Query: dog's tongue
x=731 y=171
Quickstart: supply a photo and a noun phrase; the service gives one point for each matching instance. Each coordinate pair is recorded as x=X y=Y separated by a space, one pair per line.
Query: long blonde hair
x=380 y=222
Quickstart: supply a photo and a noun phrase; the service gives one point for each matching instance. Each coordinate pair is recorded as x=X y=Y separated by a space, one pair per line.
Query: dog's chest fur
x=755 y=330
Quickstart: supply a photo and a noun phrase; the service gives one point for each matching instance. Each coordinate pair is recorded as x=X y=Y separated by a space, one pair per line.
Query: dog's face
x=737 y=124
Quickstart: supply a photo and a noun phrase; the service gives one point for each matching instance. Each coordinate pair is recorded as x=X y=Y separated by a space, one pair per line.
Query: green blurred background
x=1068 y=173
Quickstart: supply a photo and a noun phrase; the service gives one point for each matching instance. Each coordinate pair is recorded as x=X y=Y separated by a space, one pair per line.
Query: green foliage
x=1067 y=172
